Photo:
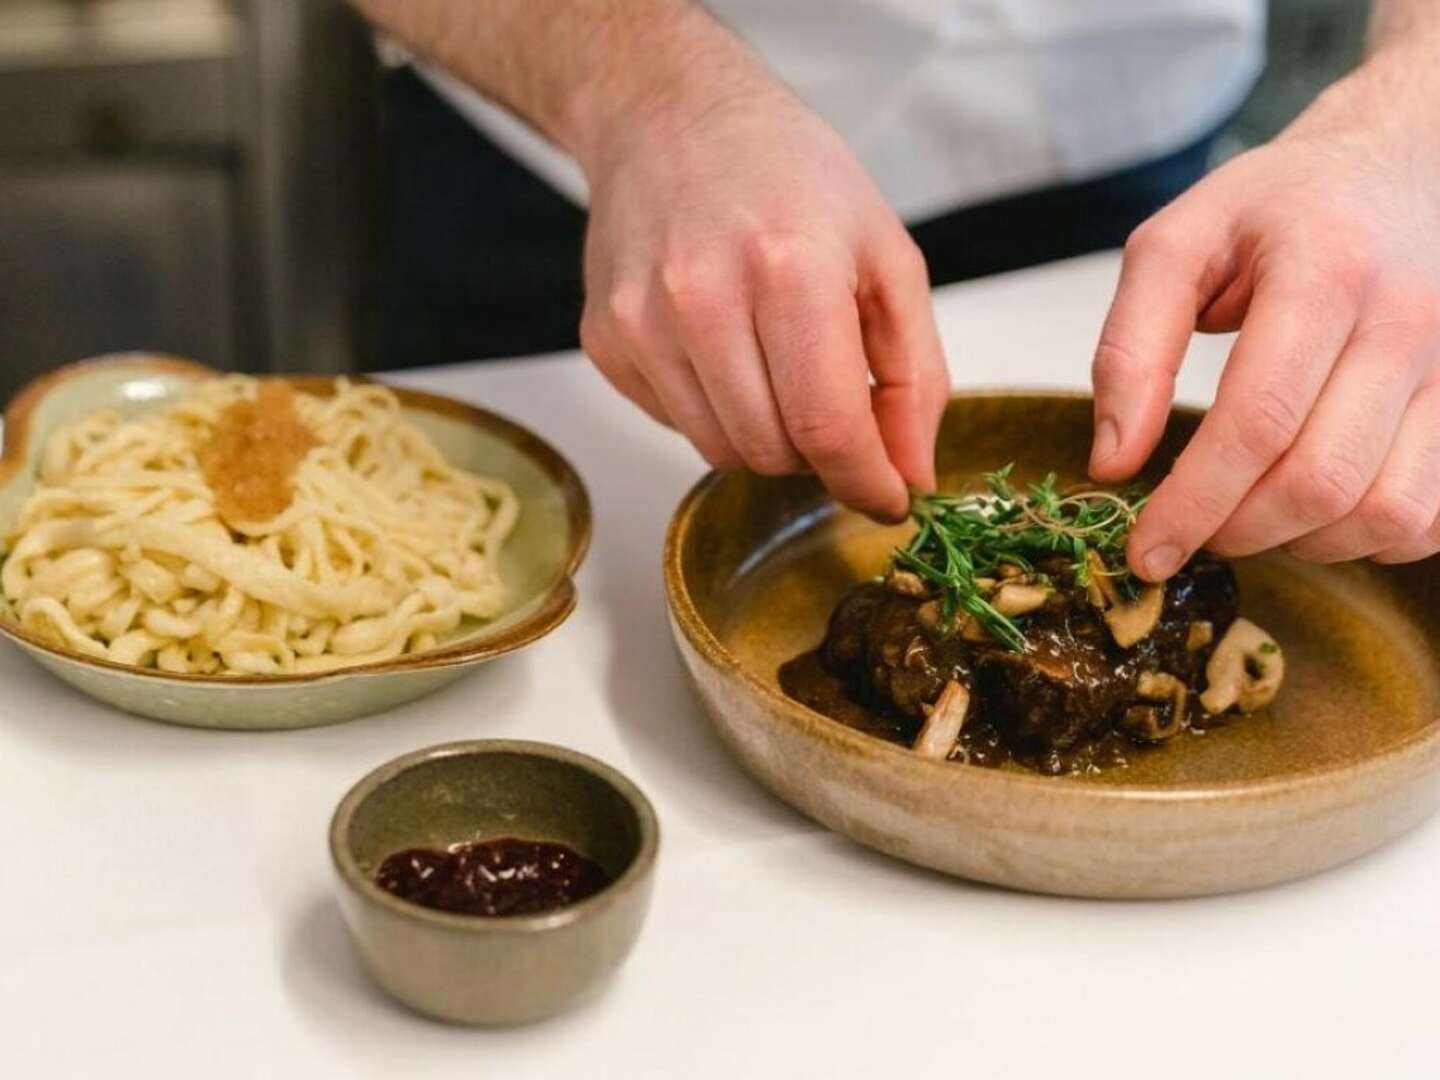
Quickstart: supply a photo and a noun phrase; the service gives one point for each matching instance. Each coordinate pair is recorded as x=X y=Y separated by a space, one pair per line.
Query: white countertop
x=166 y=906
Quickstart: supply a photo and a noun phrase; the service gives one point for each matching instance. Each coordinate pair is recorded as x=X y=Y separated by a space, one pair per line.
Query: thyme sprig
x=962 y=538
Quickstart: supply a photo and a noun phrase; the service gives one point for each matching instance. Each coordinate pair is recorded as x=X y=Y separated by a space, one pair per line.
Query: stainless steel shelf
x=184 y=175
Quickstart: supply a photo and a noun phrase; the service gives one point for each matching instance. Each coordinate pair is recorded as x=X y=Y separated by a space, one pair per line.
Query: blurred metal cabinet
x=190 y=176
x=100 y=257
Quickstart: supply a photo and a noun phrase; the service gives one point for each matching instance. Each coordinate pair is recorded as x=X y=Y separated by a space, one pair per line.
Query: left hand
x=1323 y=249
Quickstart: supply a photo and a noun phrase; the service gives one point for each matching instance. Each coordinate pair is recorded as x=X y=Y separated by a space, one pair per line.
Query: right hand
x=747 y=285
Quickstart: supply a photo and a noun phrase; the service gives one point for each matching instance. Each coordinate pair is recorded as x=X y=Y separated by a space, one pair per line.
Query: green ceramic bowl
x=483 y=970
x=537 y=564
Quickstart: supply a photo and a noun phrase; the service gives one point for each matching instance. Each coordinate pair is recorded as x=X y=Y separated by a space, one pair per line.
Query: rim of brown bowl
x=553 y=609
x=633 y=877
x=819 y=727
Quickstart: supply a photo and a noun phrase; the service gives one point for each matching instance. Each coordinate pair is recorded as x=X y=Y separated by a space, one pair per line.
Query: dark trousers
x=482 y=259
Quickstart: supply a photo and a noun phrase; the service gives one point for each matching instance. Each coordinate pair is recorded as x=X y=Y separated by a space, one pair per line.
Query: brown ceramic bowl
x=1347 y=758
x=504 y=970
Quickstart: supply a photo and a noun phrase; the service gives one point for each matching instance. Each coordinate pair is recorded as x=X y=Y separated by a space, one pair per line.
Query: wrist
x=689 y=67
x=1404 y=24
x=1395 y=94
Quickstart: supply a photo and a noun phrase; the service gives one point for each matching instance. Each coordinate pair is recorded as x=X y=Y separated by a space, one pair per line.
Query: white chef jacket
x=948 y=103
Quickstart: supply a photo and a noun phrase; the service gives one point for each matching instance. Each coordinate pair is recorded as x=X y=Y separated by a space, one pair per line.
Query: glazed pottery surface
x=537 y=563
x=1346 y=759
x=499 y=970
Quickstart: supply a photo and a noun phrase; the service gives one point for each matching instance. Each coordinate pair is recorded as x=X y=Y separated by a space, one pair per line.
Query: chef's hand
x=747 y=284
x=1323 y=250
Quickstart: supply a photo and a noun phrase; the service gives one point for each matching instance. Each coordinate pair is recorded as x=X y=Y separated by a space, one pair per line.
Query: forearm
x=578 y=70
x=1399 y=22
x=745 y=283
x=1391 y=97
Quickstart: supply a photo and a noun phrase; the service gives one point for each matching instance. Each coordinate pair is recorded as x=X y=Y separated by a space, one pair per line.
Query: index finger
x=902 y=346
x=809 y=327
x=1280 y=363
x=1157 y=302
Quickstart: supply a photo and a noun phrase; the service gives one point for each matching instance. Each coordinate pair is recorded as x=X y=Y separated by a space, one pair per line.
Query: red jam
x=492 y=877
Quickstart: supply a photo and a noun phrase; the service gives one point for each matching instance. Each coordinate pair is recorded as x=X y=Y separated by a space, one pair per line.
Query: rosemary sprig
x=965 y=537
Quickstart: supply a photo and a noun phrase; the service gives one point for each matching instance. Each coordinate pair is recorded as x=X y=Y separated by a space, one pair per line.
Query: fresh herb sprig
x=962 y=538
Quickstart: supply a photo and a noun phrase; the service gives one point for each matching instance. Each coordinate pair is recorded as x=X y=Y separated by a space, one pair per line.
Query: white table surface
x=166 y=905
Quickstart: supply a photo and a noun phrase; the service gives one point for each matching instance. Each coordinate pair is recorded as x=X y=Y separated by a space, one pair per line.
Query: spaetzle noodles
x=137 y=545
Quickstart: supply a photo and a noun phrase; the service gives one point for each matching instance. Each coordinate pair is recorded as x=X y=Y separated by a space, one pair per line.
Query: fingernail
x=1161 y=562
x=1107 y=441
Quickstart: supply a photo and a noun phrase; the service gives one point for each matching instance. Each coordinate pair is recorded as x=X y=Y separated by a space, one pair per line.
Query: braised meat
x=1070 y=700
x=877 y=644
x=1061 y=692
x=1010 y=627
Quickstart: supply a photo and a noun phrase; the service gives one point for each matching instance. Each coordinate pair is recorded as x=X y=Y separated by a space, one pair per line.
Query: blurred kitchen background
x=227 y=179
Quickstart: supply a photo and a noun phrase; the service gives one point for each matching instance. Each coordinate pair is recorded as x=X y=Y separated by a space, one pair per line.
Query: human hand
x=1323 y=250
x=747 y=284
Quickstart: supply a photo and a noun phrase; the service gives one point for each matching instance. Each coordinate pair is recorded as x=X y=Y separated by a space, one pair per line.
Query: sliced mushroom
x=1102 y=590
x=973 y=630
x=1201 y=633
x=928 y=615
x=1010 y=570
x=986 y=585
x=1097 y=596
x=906 y=583
x=1149 y=723
x=1245 y=670
x=1145 y=721
x=1015 y=599
x=1130 y=621
x=1160 y=686
x=943 y=722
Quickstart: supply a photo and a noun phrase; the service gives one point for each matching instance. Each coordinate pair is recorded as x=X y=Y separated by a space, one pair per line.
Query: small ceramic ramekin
x=494 y=970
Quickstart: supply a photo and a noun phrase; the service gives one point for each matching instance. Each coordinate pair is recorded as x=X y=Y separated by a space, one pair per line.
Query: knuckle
x=1156 y=237
x=717 y=457
x=1352 y=263
x=772 y=459
x=692 y=289
x=1409 y=323
x=1201 y=503
x=820 y=436
x=1395 y=514
x=1113 y=363
x=1353 y=268
x=764 y=446
x=781 y=257
x=936 y=383
x=592 y=337
x=910 y=264
x=596 y=338
x=1268 y=425
x=1329 y=489
x=625 y=309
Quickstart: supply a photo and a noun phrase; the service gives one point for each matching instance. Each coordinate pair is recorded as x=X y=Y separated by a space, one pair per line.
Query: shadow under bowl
x=494 y=970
